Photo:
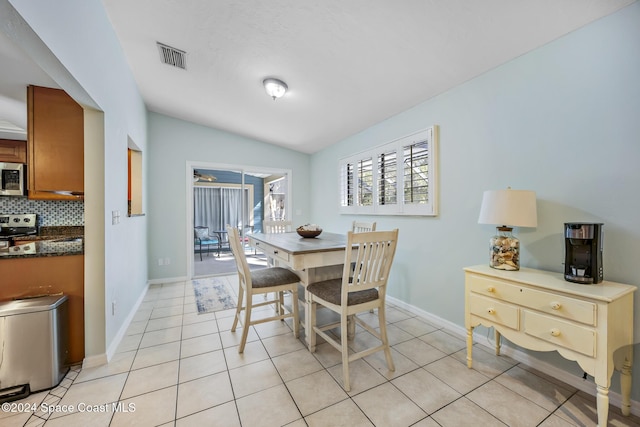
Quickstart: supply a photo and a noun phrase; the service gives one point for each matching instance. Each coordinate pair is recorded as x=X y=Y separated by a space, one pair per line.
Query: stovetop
x=18 y=225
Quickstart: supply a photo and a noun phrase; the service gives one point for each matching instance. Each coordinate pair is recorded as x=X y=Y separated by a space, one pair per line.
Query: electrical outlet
x=160 y=261
x=167 y=261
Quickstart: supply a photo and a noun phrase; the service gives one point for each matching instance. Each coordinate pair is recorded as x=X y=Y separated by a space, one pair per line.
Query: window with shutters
x=387 y=178
x=347 y=186
x=416 y=172
x=365 y=182
x=396 y=178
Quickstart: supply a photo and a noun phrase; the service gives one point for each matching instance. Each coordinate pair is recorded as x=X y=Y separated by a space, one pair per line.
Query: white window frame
x=401 y=207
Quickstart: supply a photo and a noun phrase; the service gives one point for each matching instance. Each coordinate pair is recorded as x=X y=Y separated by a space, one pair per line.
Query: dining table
x=312 y=259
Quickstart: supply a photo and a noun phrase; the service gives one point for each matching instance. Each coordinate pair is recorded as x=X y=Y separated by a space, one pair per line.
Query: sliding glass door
x=236 y=197
x=218 y=206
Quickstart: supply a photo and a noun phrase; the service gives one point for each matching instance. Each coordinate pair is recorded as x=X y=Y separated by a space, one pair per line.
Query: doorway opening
x=221 y=195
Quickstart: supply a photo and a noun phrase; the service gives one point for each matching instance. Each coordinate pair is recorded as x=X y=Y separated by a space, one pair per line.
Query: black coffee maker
x=583 y=252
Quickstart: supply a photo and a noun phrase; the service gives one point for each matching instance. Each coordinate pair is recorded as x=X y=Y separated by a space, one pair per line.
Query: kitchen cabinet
x=24 y=277
x=12 y=151
x=539 y=310
x=55 y=145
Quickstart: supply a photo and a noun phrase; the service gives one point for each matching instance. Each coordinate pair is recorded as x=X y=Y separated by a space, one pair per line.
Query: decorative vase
x=505 y=250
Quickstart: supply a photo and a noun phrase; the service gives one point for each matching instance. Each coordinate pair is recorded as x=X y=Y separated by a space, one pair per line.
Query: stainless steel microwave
x=12 y=179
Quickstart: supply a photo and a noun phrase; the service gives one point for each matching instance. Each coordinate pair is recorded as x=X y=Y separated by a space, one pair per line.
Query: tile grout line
x=62 y=390
x=53 y=397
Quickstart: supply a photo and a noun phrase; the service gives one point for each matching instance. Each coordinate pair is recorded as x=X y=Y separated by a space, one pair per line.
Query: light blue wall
x=173 y=143
x=563 y=120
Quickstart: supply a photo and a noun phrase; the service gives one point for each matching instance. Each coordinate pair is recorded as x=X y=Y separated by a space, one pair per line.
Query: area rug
x=213 y=294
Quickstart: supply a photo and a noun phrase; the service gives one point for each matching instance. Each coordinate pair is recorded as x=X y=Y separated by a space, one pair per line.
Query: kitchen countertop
x=54 y=232
x=45 y=248
x=50 y=241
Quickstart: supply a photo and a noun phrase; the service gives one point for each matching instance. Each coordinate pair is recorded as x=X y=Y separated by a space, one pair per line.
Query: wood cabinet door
x=55 y=145
x=13 y=151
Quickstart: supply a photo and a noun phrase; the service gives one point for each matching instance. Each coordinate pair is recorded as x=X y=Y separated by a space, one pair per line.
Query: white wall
x=78 y=33
x=175 y=142
x=562 y=120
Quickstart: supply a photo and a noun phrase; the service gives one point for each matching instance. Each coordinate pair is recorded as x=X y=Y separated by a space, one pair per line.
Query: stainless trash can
x=34 y=352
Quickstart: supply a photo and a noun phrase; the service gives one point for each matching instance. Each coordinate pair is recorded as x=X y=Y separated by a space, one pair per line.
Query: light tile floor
x=213 y=264
x=178 y=368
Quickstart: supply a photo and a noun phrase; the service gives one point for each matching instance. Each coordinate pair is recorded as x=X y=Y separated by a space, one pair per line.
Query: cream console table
x=539 y=310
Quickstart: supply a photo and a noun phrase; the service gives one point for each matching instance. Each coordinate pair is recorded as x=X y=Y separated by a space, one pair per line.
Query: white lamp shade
x=515 y=208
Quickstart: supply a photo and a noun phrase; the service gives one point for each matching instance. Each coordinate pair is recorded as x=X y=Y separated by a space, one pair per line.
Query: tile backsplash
x=50 y=212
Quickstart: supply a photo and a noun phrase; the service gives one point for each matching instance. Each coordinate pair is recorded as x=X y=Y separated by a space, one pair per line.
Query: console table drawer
x=547 y=302
x=495 y=311
x=560 y=333
x=561 y=306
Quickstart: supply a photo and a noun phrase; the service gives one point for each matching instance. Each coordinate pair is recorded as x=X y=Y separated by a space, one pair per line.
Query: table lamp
x=507 y=209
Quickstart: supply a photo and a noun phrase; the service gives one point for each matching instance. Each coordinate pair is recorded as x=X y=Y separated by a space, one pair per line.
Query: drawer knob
x=555 y=332
x=491 y=289
x=491 y=311
x=556 y=305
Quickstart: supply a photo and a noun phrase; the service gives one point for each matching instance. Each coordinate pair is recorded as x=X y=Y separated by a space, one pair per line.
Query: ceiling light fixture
x=275 y=88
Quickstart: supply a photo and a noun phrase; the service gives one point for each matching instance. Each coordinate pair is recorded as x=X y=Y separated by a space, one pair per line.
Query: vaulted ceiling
x=348 y=64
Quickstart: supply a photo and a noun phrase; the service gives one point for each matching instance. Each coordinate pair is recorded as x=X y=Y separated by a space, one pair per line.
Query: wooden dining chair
x=264 y=281
x=362 y=227
x=269 y=226
x=363 y=286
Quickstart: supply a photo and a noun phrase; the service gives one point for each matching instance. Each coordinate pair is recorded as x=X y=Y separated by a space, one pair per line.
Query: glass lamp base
x=504 y=250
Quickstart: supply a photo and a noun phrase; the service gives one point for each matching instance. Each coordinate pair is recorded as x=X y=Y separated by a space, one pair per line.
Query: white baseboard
x=104 y=358
x=93 y=361
x=125 y=325
x=439 y=321
x=111 y=350
x=577 y=382
x=167 y=280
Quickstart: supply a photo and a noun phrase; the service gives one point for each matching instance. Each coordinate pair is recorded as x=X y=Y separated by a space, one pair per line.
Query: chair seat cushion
x=273 y=276
x=208 y=242
x=331 y=291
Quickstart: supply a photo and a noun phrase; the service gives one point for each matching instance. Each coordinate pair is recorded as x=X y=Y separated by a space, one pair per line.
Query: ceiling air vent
x=172 y=56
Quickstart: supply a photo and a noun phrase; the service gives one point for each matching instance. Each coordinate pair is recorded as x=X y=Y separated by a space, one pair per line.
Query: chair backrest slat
x=269 y=227
x=374 y=253
x=363 y=227
x=235 y=243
